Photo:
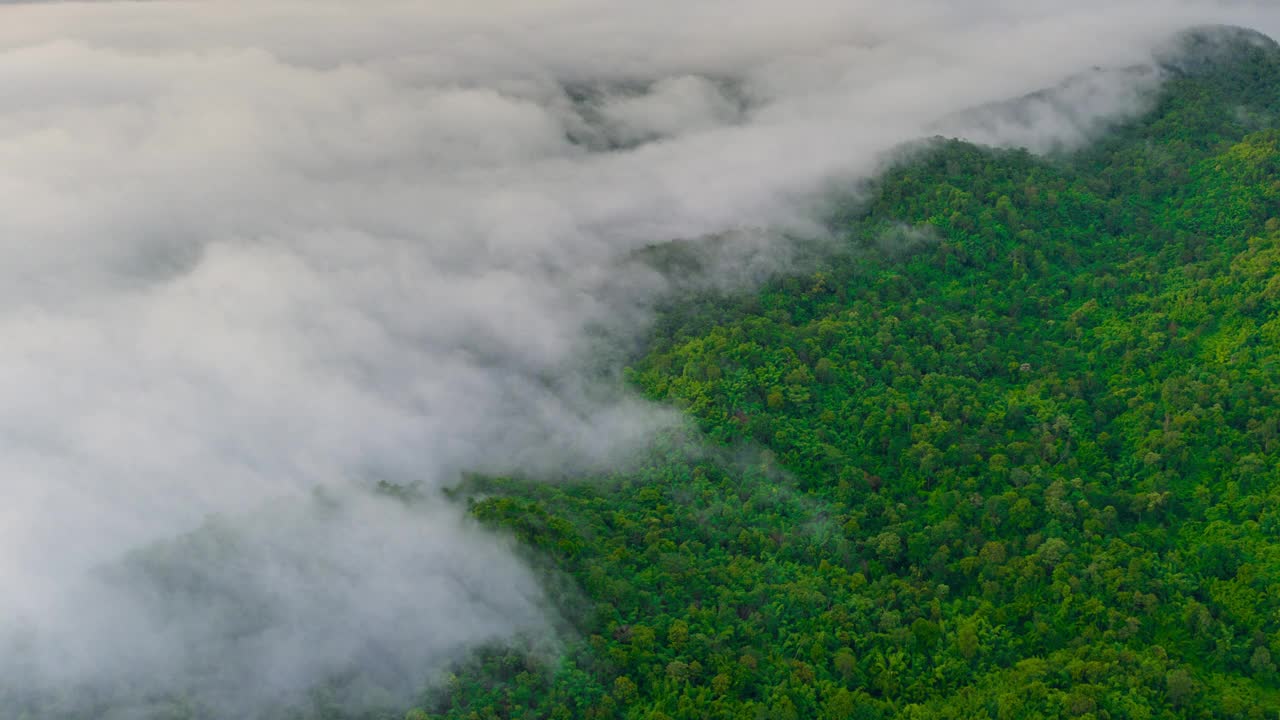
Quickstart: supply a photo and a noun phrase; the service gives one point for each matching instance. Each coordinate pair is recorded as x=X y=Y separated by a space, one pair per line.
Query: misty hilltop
x=1028 y=463
x=587 y=359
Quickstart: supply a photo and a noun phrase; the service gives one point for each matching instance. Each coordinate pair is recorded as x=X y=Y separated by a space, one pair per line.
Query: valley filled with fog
x=258 y=257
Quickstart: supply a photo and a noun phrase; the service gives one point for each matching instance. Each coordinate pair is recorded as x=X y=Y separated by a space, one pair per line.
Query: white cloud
x=250 y=248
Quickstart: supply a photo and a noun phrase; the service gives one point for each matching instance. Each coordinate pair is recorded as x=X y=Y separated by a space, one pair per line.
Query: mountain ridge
x=1033 y=460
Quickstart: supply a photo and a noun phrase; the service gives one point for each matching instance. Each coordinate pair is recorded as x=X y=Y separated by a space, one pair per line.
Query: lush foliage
x=1022 y=464
x=1014 y=452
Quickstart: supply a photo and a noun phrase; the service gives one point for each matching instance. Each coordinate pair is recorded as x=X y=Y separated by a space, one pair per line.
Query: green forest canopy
x=1027 y=469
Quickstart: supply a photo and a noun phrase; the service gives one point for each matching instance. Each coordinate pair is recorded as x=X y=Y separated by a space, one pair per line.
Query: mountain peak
x=1208 y=48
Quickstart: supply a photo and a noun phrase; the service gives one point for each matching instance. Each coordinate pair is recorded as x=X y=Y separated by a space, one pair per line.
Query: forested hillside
x=1025 y=465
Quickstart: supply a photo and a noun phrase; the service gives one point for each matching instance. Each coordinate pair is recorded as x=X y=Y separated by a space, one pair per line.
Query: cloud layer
x=249 y=249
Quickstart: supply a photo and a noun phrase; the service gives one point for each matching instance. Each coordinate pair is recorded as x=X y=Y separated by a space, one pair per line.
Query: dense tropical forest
x=1010 y=450
x=1014 y=454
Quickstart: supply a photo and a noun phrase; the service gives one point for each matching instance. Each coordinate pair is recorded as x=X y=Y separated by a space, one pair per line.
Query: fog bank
x=252 y=249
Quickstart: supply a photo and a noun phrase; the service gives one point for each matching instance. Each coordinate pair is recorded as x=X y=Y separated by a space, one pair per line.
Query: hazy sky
x=252 y=248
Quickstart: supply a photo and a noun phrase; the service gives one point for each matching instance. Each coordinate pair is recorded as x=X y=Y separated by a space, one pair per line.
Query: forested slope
x=1029 y=467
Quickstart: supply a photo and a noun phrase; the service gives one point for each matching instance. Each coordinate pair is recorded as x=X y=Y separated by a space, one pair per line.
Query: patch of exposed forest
x=1028 y=469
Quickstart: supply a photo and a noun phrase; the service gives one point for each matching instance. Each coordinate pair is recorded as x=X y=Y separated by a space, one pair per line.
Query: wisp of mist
x=256 y=257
